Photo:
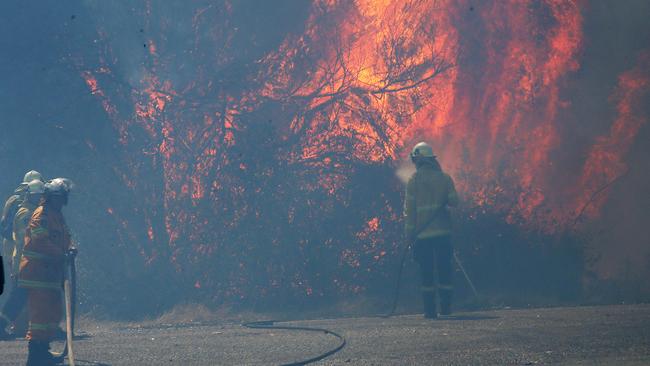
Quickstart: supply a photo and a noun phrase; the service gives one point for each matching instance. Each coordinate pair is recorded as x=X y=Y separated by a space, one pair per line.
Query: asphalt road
x=602 y=335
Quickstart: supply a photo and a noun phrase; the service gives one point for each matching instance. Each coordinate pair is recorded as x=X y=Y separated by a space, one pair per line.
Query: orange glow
x=605 y=162
x=299 y=133
x=392 y=75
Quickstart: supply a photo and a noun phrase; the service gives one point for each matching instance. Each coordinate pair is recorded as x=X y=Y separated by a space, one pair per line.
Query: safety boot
x=39 y=354
x=429 y=301
x=445 y=301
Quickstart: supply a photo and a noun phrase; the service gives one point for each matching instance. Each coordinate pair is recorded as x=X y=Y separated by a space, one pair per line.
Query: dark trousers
x=434 y=255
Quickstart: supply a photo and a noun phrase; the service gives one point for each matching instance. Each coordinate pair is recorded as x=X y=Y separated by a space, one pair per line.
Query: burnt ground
x=597 y=335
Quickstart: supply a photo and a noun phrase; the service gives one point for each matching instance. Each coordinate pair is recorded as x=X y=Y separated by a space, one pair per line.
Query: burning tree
x=255 y=144
x=252 y=155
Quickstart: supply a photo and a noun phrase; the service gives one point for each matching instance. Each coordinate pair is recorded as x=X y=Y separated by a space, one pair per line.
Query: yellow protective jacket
x=47 y=240
x=7 y=219
x=429 y=193
x=21 y=221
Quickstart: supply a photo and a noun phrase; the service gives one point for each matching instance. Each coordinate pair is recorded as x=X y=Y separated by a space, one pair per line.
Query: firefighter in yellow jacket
x=9 y=211
x=41 y=271
x=429 y=193
x=17 y=298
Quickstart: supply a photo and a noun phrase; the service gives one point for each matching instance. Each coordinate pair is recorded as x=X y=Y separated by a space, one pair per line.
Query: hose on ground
x=271 y=324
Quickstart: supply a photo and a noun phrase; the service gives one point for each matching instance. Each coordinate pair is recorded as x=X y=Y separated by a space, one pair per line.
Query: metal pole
x=68 y=318
x=469 y=281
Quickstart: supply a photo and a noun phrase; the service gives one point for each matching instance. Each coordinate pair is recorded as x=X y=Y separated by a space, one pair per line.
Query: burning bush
x=251 y=149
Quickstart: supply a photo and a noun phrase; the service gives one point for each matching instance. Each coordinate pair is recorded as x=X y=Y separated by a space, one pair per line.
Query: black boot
x=429 y=300
x=445 y=301
x=39 y=354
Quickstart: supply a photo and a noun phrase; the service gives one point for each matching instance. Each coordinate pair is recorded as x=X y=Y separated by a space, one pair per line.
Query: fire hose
x=271 y=324
x=70 y=294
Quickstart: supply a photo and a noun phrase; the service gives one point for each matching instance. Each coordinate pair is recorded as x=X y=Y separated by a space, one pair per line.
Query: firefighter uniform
x=8 y=213
x=429 y=193
x=21 y=223
x=41 y=271
x=11 y=207
x=17 y=297
x=47 y=240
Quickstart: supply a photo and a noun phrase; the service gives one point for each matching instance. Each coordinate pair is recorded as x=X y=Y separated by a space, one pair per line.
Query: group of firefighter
x=36 y=241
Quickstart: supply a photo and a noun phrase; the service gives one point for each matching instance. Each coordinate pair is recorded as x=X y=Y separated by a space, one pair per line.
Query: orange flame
x=605 y=162
x=484 y=82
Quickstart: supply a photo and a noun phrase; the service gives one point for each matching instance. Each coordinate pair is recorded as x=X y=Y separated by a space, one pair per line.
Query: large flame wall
x=255 y=144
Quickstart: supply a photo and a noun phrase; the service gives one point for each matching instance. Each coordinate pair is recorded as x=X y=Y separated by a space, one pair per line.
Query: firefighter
x=18 y=296
x=9 y=211
x=429 y=193
x=12 y=205
x=41 y=270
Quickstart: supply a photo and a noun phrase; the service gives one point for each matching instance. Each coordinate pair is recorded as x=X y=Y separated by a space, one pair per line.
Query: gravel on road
x=593 y=335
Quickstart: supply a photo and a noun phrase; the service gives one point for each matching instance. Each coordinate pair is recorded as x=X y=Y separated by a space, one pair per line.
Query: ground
x=597 y=335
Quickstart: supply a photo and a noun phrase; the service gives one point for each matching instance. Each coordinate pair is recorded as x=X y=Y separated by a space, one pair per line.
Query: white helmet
x=59 y=186
x=422 y=150
x=36 y=187
x=32 y=175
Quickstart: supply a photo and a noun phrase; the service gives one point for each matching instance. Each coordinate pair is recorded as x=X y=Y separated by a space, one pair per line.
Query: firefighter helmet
x=36 y=187
x=422 y=150
x=58 y=187
x=32 y=175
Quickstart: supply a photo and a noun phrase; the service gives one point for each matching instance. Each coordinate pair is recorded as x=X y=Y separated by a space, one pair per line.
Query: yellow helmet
x=422 y=150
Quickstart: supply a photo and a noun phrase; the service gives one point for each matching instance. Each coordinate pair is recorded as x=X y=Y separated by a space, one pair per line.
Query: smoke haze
x=255 y=153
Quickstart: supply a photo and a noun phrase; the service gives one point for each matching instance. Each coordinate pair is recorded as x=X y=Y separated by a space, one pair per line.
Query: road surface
x=598 y=335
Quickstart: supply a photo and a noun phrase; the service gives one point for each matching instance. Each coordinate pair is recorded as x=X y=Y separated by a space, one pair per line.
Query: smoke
x=405 y=170
x=302 y=112
x=230 y=151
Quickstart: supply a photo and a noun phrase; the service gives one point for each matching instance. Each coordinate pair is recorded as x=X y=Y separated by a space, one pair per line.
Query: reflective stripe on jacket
x=46 y=240
x=428 y=194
